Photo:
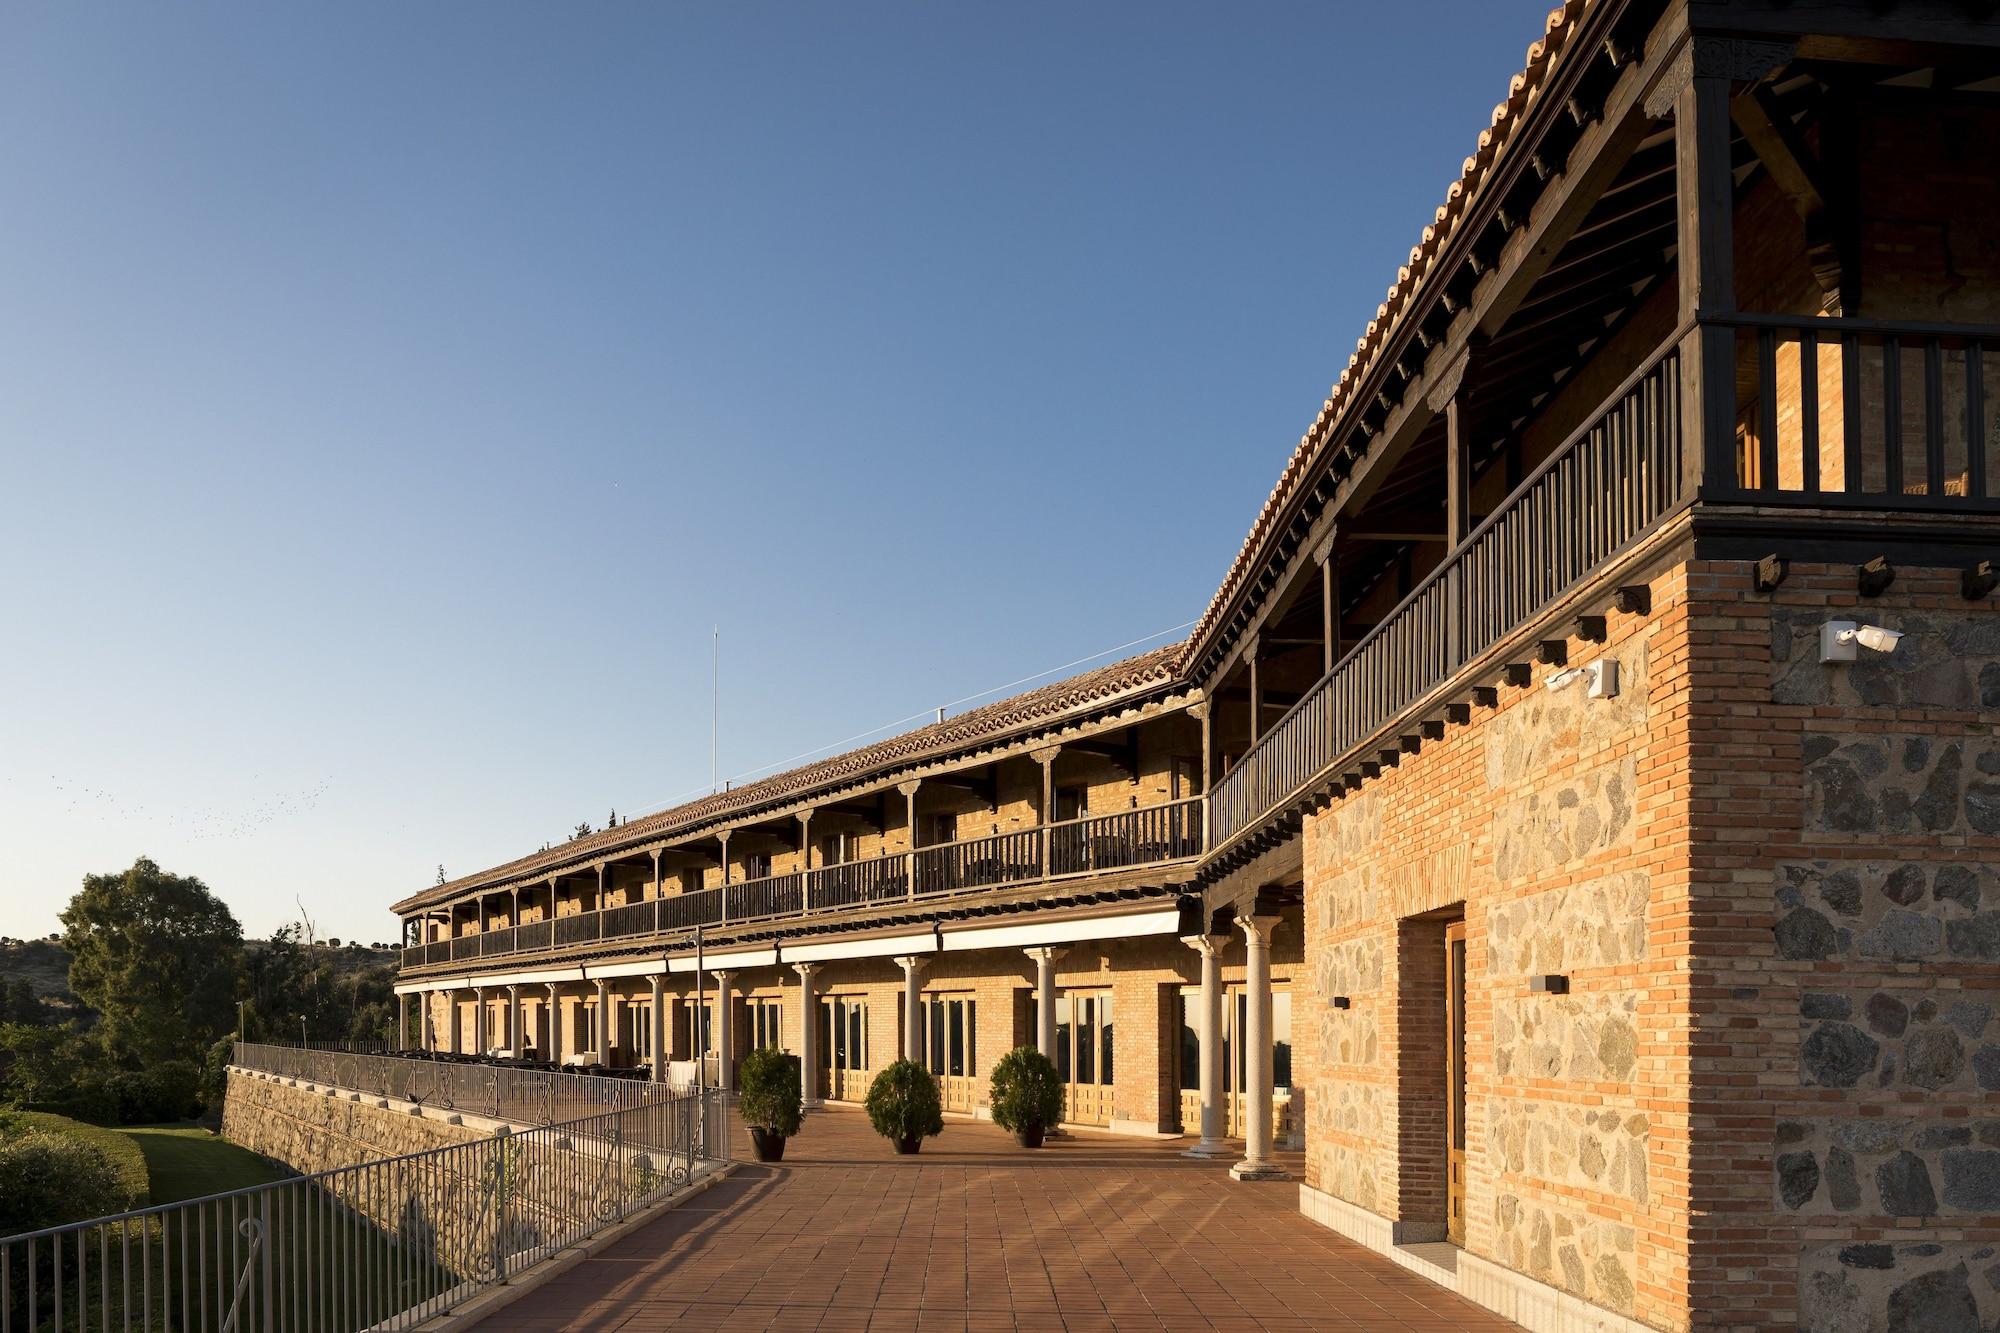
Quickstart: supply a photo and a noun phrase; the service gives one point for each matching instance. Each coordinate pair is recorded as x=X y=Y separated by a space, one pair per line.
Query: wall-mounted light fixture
x=1555 y=983
x=1342 y=1002
x=1842 y=640
x=1601 y=675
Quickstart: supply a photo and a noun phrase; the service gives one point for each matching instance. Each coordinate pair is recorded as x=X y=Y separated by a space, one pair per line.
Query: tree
x=157 y=955
x=583 y=830
x=20 y=1004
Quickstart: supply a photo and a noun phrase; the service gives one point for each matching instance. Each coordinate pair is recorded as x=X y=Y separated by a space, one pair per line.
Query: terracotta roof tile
x=1521 y=90
x=1132 y=676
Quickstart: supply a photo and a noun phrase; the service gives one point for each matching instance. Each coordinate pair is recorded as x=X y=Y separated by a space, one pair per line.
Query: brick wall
x=1847 y=867
x=1555 y=827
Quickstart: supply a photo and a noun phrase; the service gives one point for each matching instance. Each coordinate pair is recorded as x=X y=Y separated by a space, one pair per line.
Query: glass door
x=1083 y=1055
x=844 y=1046
x=1454 y=1057
x=948 y=1026
x=1235 y=1019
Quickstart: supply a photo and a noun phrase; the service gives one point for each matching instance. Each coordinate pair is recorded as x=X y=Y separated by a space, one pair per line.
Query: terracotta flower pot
x=769 y=1147
x=908 y=1147
x=1030 y=1135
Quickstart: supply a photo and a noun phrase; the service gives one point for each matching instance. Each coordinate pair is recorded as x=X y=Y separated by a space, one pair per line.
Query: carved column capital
x=1045 y=754
x=1733 y=58
x=1438 y=396
x=1208 y=946
x=1257 y=928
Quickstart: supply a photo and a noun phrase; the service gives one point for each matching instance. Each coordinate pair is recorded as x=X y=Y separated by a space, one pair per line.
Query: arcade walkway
x=974 y=1234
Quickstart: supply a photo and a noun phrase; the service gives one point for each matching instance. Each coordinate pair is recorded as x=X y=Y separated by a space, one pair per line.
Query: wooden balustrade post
x=909 y=790
x=1046 y=757
x=722 y=893
x=805 y=860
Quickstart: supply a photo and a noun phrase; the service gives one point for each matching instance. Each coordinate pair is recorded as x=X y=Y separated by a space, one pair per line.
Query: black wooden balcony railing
x=1603 y=489
x=1146 y=836
x=1844 y=413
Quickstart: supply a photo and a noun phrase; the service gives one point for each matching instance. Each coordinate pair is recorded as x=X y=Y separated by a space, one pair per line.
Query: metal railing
x=1142 y=836
x=1604 y=488
x=524 y=1096
x=382 y=1245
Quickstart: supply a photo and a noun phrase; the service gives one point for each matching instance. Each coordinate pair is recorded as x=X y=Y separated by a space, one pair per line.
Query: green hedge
x=119 y=1148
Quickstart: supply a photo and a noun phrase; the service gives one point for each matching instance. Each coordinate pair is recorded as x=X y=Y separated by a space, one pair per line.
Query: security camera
x=1842 y=640
x=1602 y=675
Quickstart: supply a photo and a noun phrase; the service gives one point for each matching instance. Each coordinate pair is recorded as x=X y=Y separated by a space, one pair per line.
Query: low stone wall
x=513 y=1198
x=314 y=1130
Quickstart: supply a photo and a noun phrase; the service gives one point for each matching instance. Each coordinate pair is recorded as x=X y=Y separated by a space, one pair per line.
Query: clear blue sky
x=392 y=397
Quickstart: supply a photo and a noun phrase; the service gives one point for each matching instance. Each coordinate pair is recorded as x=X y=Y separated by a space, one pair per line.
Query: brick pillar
x=515 y=1043
x=555 y=1025
x=402 y=1021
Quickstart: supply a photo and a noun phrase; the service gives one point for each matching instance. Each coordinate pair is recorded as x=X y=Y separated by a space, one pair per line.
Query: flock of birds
x=199 y=824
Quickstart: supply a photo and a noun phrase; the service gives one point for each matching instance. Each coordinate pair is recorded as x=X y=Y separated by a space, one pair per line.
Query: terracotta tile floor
x=974 y=1234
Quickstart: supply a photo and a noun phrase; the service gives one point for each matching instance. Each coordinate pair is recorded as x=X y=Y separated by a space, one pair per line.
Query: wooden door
x=1454 y=1057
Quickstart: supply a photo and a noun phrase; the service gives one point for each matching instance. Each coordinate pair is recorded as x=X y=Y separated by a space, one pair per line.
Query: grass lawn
x=128 y=1159
x=186 y=1161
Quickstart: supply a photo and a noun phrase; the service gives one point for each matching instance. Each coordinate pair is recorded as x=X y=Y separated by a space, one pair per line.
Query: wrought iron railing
x=499 y=1092
x=1143 y=836
x=1603 y=489
x=383 y=1245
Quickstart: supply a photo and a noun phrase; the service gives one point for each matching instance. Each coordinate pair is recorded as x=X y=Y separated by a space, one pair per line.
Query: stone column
x=1045 y=998
x=403 y=1021
x=1209 y=1027
x=724 y=1054
x=808 y=1036
x=555 y=1051
x=913 y=1008
x=659 y=1023
x=514 y=1034
x=603 y=1033
x=1257 y=1163
x=479 y=1042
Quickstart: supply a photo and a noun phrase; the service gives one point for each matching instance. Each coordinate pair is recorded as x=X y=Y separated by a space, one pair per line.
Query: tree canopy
x=157 y=955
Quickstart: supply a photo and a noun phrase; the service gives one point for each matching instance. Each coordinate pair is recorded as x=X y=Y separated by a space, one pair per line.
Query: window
x=1281 y=1040
x=763 y=1024
x=940 y=829
x=756 y=866
x=1072 y=803
x=834 y=848
x=948 y=1025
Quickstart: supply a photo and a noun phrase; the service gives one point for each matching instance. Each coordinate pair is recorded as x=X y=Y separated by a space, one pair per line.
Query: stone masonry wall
x=1847 y=824
x=1554 y=825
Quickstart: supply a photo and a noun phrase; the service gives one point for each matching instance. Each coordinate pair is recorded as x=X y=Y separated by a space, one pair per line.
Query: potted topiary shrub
x=767 y=1097
x=1026 y=1095
x=904 y=1106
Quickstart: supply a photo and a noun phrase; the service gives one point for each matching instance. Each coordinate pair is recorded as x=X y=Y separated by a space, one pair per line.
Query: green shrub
x=768 y=1091
x=176 y=1091
x=903 y=1102
x=1025 y=1090
x=127 y=1159
x=48 y=1179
